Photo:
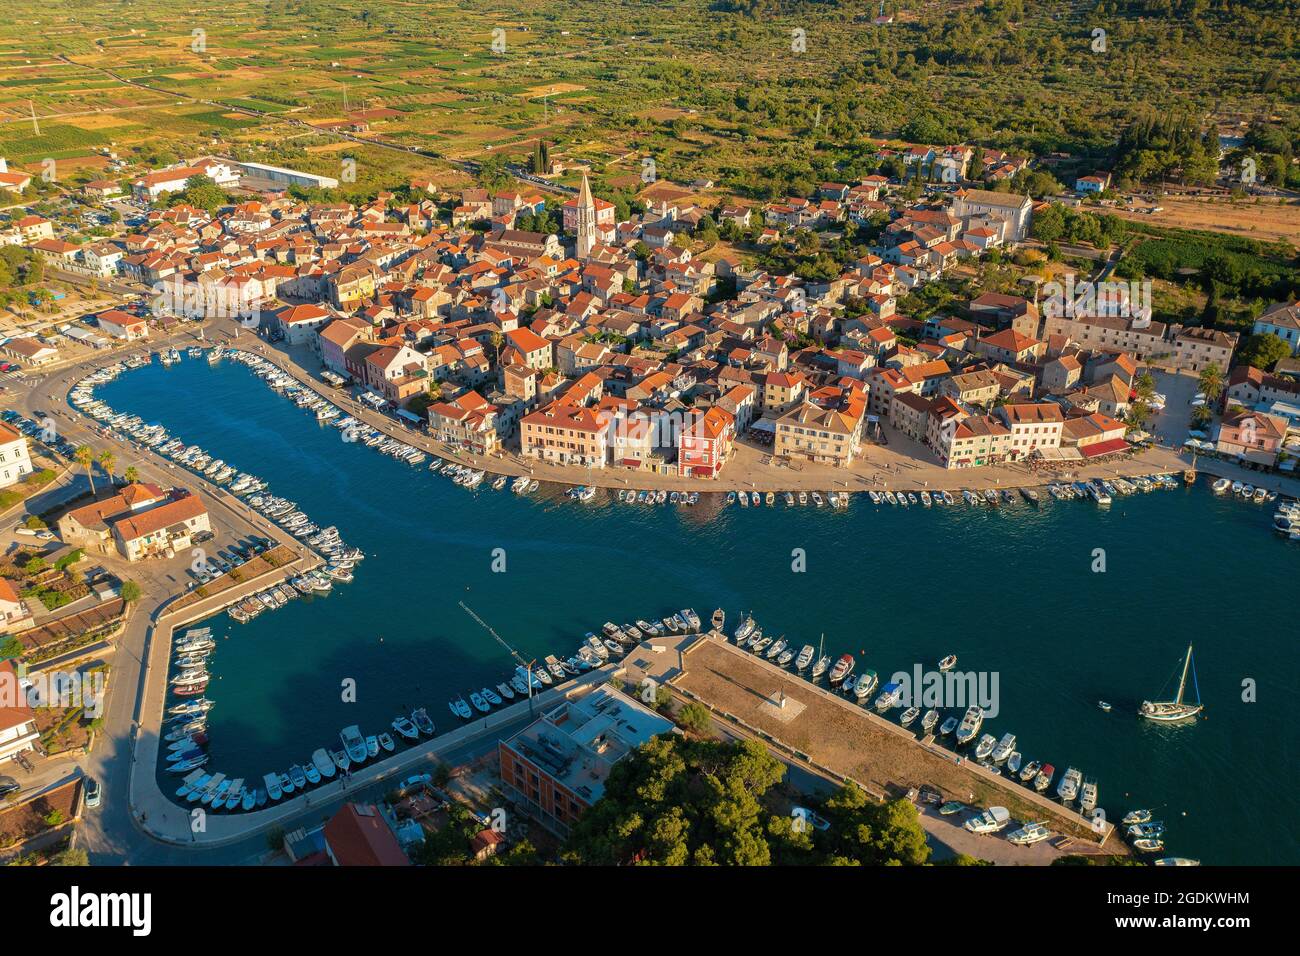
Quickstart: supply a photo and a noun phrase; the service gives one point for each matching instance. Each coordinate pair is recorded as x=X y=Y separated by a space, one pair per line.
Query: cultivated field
x=1267 y=220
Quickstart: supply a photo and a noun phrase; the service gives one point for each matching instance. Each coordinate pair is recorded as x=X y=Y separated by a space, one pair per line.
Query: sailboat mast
x=1182 y=682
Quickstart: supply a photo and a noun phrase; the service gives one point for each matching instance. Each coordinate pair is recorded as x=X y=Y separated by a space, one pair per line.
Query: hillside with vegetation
x=764 y=97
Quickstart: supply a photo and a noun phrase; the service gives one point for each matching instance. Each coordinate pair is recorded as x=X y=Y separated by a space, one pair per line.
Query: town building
x=567 y=435
x=15 y=459
x=18 y=733
x=557 y=766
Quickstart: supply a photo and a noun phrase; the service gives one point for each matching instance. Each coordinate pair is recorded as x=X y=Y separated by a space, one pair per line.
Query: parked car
x=94 y=795
x=9 y=785
x=40 y=533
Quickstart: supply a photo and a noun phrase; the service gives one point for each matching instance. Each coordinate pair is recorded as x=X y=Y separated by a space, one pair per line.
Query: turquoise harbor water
x=1009 y=590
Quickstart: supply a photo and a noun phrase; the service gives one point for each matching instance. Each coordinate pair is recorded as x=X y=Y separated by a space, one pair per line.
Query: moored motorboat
x=1068 y=788
x=406 y=728
x=970 y=725
x=843 y=667
x=321 y=761
x=354 y=743
x=272 y=782
x=423 y=722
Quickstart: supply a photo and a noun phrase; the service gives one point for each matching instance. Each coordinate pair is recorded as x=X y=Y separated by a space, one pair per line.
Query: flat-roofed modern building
x=559 y=763
x=285 y=177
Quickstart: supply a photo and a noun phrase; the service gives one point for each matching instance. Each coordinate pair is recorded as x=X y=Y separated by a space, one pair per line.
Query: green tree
x=695 y=717
x=1263 y=350
x=865 y=831
x=130 y=592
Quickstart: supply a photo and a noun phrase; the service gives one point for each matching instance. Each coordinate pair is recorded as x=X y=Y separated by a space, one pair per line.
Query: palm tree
x=85 y=457
x=1211 y=383
x=106 y=461
x=132 y=474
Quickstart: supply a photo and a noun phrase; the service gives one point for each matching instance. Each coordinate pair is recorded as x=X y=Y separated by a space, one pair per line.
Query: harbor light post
x=531 y=681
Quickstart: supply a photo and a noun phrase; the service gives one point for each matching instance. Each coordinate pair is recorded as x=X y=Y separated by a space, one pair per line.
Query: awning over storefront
x=1103 y=448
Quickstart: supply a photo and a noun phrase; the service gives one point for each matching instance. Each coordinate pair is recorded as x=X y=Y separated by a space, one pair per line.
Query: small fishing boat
x=1149 y=846
x=1044 y=778
x=312 y=773
x=1136 y=816
x=1104 y=706
x=386 y=742
x=1088 y=796
x=948 y=663
x=929 y=720
x=948 y=726
x=1156 y=829
x=951 y=807
x=340 y=759
x=406 y=728
x=719 y=618
x=1176 y=861
x=985 y=746
x=1013 y=763
x=298 y=777
x=460 y=707
x=1029 y=771
x=909 y=715
x=372 y=746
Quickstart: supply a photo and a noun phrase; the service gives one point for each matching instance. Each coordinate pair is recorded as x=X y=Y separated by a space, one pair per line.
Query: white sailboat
x=1167 y=711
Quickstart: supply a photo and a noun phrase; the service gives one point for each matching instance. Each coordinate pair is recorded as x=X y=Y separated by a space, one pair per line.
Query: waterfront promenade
x=901 y=465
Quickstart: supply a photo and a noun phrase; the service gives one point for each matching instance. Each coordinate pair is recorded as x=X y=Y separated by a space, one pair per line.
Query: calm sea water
x=1011 y=591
